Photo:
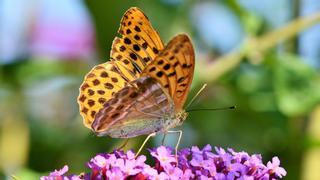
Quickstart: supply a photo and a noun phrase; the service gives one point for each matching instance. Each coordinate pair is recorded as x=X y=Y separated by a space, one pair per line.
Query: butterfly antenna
x=213 y=109
x=195 y=96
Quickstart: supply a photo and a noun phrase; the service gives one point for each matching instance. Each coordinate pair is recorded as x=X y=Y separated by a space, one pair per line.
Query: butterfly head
x=175 y=120
x=181 y=117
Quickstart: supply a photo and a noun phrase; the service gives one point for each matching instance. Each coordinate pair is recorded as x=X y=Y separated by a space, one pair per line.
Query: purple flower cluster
x=190 y=163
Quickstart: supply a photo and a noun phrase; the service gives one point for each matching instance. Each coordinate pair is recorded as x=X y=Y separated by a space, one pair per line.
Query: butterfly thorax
x=176 y=120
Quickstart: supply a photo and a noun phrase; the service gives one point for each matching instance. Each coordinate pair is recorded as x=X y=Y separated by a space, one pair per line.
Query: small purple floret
x=191 y=163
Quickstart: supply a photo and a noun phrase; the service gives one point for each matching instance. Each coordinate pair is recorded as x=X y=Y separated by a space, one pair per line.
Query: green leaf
x=296 y=86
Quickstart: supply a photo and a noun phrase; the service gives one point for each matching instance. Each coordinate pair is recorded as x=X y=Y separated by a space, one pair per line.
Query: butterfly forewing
x=173 y=68
x=138 y=43
x=137 y=109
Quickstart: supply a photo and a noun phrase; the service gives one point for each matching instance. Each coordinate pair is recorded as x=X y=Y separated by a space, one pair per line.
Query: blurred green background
x=261 y=56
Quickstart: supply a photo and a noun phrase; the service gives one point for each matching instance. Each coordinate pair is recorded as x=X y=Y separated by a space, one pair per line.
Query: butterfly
x=144 y=86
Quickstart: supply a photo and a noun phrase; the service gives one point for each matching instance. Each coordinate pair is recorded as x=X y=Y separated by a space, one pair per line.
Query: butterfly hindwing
x=136 y=109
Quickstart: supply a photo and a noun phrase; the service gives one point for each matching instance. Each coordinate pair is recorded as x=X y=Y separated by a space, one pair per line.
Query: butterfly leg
x=163 y=139
x=123 y=144
x=144 y=142
x=179 y=139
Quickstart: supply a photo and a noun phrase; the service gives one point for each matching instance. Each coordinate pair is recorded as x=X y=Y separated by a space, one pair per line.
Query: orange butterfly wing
x=99 y=86
x=149 y=103
x=173 y=68
x=137 y=45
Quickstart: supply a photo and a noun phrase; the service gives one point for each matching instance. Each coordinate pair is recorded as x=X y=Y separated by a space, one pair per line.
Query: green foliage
x=296 y=86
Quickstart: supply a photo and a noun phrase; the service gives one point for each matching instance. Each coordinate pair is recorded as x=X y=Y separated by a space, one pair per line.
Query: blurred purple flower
x=275 y=169
x=53 y=29
x=59 y=174
x=191 y=163
x=62 y=33
x=164 y=156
